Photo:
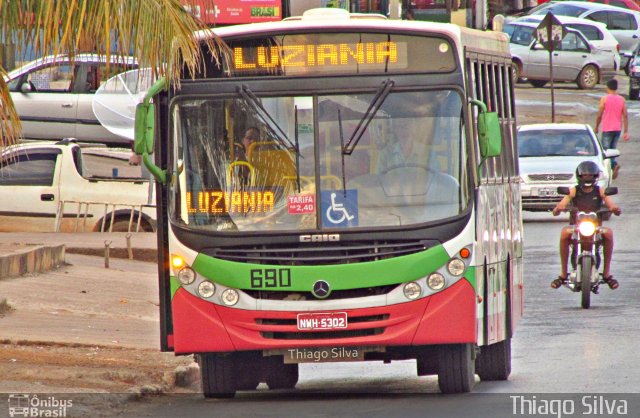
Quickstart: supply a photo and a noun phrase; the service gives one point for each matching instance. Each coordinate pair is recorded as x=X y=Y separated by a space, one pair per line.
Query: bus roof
x=488 y=40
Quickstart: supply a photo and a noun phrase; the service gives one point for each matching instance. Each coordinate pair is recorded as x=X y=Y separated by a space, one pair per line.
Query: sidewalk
x=75 y=298
x=32 y=252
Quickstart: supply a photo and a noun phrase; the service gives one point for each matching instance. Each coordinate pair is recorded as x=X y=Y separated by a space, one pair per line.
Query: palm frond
x=156 y=32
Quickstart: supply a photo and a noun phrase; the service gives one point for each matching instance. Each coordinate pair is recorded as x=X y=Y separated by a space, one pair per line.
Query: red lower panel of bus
x=444 y=318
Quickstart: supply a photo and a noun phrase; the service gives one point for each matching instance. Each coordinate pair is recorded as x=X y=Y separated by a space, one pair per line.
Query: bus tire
x=456 y=368
x=494 y=361
x=279 y=375
x=218 y=375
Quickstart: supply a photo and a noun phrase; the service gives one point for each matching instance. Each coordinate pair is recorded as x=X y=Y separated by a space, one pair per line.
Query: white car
x=53 y=96
x=624 y=24
x=549 y=154
x=520 y=31
x=46 y=186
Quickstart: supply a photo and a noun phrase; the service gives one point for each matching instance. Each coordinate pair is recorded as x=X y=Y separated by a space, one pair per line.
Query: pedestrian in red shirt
x=612 y=113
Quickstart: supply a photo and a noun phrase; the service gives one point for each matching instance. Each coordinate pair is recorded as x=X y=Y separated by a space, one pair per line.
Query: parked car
x=46 y=186
x=595 y=32
x=634 y=74
x=53 y=96
x=549 y=154
x=624 y=24
x=623 y=4
x=574 y=60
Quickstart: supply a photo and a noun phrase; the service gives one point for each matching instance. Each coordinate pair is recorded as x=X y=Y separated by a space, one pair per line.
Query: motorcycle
x=586 y=243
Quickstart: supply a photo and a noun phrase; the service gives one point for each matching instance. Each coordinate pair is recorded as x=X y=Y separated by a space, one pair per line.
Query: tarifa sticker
x=300 y=204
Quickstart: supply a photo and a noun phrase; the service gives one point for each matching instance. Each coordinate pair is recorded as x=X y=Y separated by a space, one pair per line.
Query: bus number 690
x=270 y=278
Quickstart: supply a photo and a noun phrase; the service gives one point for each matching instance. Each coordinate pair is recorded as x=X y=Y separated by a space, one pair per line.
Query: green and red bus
x=376 y=215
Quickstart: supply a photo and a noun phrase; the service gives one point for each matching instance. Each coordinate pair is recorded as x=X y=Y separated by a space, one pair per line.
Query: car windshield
x=519 y=34
x=287 y=162
x=555 y=142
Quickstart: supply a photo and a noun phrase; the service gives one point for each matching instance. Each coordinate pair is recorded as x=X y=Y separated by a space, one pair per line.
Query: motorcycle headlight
x=587 y=228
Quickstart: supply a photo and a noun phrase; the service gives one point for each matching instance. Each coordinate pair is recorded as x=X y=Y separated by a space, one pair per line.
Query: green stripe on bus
x=340 y=277
x=175 y=285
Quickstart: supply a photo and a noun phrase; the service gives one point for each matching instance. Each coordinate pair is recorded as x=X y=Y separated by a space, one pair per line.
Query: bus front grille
x=322 y=335
x=319 y=253
x=336 y=294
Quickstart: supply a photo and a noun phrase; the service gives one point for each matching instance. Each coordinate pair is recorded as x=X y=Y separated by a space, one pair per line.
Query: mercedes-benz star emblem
x=321 y=289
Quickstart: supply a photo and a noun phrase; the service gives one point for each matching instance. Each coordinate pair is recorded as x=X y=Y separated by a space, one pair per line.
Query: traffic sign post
x=549 y=34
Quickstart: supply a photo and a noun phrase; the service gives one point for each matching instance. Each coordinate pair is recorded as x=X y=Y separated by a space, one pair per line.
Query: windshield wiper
x=247 y=95
x=378 y=99
x=297 y=148
x=344 y=184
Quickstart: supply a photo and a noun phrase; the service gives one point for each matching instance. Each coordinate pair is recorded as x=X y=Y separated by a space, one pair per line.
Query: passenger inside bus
x=401 y=147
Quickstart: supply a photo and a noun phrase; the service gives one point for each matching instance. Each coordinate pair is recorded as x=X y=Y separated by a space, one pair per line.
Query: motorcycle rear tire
x=584 y=272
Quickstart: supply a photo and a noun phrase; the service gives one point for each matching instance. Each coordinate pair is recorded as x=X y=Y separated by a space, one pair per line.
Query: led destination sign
x=241 y=202
x=331 y=53
x=327 y=56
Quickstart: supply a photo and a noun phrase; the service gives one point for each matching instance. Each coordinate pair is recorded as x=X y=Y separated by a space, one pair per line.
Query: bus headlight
x=456 y=267
x=436 y=281
x=186 y=275
x=230 y=297
x=412 y=290
x=206 y=289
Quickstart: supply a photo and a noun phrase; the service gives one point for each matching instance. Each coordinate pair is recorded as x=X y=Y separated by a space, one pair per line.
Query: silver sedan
x=575 y=60
x=53 y=96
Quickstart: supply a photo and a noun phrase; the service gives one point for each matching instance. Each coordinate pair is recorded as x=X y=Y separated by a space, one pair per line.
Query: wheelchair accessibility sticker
x=338 y=209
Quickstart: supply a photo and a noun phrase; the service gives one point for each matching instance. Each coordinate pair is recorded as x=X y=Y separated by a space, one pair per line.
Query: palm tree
x=157 y=32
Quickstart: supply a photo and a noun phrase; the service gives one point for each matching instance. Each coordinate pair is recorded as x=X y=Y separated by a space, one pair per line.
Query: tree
x=157 y=32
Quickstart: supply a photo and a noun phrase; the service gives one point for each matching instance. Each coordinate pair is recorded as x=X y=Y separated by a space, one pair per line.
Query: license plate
x=547 y=192
x=316 y=321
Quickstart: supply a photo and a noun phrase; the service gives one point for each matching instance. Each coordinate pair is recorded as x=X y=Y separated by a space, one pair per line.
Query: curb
x=138 y=254
x=30 y=260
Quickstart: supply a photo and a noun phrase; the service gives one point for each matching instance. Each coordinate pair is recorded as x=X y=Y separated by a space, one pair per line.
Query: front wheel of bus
x=218 y=375
x=456 y=368
x=494 y=361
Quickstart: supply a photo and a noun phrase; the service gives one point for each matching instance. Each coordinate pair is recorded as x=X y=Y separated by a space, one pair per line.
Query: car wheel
x=517 y=71
x=588 y=77
x=633 y=94
x=538 y=83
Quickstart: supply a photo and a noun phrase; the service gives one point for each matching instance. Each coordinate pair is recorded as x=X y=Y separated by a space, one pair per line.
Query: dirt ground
x=84 y=329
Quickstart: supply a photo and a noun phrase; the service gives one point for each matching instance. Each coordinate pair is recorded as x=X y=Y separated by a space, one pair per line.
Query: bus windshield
x=251 y=163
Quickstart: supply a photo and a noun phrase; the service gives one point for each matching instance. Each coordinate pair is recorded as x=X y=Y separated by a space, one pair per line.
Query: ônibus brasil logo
x=25 y=405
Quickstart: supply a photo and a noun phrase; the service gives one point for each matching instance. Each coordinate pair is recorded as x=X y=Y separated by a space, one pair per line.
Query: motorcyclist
x=587 y=196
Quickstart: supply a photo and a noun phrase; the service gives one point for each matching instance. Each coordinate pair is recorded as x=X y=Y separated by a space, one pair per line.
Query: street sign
x=550 y=32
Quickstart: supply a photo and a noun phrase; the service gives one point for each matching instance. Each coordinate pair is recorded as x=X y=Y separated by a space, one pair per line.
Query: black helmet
x=587 y=168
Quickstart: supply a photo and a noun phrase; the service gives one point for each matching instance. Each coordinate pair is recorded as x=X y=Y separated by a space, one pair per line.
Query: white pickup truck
x=47 y=187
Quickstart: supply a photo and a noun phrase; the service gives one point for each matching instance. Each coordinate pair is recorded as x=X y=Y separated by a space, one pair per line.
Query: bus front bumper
x=447 y=317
